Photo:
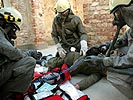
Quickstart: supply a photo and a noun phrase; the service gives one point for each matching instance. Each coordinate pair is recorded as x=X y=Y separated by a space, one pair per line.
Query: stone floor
x=102 y=90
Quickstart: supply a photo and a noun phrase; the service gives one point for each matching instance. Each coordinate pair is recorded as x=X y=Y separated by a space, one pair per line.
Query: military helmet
x=62 y=5
x=11 y=15
x=114 y=4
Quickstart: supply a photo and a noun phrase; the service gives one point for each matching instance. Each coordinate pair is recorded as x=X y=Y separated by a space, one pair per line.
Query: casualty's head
x=123 y=12
x=63 y=7
x=10 y=20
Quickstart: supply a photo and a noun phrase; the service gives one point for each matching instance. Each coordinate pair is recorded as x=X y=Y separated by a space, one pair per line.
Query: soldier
x=16 y=67
x=94 y=74
x=68 y=30
x=120 y=66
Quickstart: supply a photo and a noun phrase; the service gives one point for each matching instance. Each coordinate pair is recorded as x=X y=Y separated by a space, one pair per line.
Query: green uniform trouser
x=94 y=74
x=90 y=80
x=16 y=76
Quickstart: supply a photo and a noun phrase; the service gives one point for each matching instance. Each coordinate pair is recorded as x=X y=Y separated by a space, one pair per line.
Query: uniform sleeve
x=125 y=61
x=121 y=42
x=81 y=29
x=8 y=50
x=54 y=33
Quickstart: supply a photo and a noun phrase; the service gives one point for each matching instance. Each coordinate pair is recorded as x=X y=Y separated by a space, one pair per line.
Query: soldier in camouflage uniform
x=16 y=66
x=120 y=66
x=68 y=30
x=94 y=73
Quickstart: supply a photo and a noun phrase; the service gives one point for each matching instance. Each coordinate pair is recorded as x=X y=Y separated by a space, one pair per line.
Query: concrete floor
x=102 y=90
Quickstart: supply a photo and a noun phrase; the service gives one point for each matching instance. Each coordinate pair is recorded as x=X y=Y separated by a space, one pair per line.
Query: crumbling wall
x=98 y=20
x=38 y=16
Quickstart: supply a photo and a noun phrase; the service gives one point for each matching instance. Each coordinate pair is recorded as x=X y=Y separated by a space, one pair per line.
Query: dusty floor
x=102 y=90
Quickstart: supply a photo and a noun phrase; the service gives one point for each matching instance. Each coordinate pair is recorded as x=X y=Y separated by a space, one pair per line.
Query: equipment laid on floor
x=54 y=85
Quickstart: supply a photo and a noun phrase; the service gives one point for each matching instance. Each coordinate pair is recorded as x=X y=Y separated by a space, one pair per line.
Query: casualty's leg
x=90 y=80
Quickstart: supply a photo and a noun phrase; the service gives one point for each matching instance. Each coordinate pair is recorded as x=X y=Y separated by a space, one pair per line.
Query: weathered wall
x=26 y=36
x=98 y=20
x=1 y=3
x=38 y=16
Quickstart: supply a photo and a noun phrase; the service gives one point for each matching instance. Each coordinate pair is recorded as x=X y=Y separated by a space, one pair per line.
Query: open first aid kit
x=53 y=86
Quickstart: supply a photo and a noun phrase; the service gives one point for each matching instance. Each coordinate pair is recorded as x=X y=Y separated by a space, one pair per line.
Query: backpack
x=54 y=87
x=57 y=97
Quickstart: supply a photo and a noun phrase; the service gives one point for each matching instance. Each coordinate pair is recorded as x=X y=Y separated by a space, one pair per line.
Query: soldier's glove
x=93 y=51
x=35 y=54
x=97 y=50
x=84 y=47
x=62 y=52
x=103 y=48
x=95 y=61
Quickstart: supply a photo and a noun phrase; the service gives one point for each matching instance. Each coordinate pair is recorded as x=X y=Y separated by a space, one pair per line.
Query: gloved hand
x=84 y=47
x=35 y=54
x=62 y=52
x=95 y=61
x=103 y=48
x=93 y=51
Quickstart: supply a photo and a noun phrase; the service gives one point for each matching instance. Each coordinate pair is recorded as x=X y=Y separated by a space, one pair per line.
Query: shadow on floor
x=102 y=90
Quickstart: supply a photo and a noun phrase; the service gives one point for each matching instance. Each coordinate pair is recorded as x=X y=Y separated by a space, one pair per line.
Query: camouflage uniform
x=94 y=73
x=68 y=32
x=124 y=62
x=120 y=67
x=16 y=68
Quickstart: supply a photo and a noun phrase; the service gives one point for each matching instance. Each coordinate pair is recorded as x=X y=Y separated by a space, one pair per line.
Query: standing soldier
x=68 y=30
x=94 y=74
